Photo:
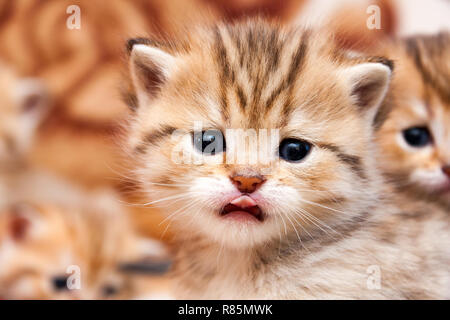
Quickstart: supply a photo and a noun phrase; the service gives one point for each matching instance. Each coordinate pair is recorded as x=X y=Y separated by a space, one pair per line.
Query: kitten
x=415 y=139
x=316 y=218
x=46 y=251
x=48 y=224
x=23 y=104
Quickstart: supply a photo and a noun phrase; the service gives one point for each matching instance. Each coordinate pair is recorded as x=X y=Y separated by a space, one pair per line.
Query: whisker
x=177 y=211
x=301 y=226
x=168 y=184
x=298 y=236
x=284 y=224
x=322 y=206
x=177 y=196
x=312 y=218
x=183 y=210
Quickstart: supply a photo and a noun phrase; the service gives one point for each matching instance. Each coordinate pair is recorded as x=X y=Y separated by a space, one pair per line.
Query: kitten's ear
x=152 y=257
x=147 y=247
x=368 y=83
x=20 y=221
x=150 y=67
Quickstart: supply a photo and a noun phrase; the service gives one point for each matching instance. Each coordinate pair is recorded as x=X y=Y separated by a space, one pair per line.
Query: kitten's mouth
x=243 y=208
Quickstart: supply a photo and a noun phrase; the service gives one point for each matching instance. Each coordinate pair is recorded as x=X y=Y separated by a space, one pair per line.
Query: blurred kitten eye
x=60 y=283
x=109 y=290
x=209 y=142
x=294 y=150
x=417 y=136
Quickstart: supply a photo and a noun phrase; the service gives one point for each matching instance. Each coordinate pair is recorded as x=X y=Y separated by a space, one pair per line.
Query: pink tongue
x=243 y=202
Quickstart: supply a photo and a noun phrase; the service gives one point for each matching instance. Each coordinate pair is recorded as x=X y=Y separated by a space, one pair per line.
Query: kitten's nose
x=247 y=184
x=446 y=170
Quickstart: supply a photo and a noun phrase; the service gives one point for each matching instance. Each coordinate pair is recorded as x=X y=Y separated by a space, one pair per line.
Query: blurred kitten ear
x=369 y=83
x=33 y=99
x=20 y=221
x=150 y=67
x=151 y=248
x=152 y=258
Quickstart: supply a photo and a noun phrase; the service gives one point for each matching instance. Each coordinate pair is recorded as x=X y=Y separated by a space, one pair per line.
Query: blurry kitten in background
x=415 y=139
x=314 y=220
x=48 y=224
x=46 y=251
x=23 y=104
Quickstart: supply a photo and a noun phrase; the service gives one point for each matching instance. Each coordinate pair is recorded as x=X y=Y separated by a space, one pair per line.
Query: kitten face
x=288 y=81
x=23 y=103
x=416 y=137
x=45 y=255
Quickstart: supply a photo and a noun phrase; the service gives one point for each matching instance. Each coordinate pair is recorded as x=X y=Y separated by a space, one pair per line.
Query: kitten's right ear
x=152 y=258
x=368 y=83
x=150 y=67
x=20 y=221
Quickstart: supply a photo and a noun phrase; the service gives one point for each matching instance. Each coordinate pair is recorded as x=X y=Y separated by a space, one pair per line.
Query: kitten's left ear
x=21 y=220
x=150 y=68
x=368 y=83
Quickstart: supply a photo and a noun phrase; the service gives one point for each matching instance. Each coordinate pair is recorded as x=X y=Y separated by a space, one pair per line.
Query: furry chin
x=237 y=229
x=441 y=188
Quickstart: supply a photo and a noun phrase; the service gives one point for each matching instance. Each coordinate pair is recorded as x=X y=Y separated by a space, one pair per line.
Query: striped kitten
x=309 y=223
x=46 y=250
x=47 y=224
x=23 y=103
x=415 y=139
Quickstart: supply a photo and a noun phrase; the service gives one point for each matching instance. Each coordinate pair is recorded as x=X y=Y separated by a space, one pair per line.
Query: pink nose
x=247 y=184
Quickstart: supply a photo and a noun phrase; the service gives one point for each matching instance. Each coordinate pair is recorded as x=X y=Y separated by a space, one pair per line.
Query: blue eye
x=209 y=142
x=417 y=136
x=294 y=150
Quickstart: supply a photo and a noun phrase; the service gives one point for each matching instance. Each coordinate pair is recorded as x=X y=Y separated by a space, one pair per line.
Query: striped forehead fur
x=247 y=53
x=431 y=57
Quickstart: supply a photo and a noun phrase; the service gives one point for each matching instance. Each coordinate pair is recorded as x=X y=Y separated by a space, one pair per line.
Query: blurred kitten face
x=42 y=257
x=318 y=175
x=23 y=103
x=416 y=137
x=419 y=147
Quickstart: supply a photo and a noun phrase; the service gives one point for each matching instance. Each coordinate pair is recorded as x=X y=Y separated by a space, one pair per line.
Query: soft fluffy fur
x=23 y=103
x=325 y=220
x=40 y=242
x=420 y=97
x=47 y=224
